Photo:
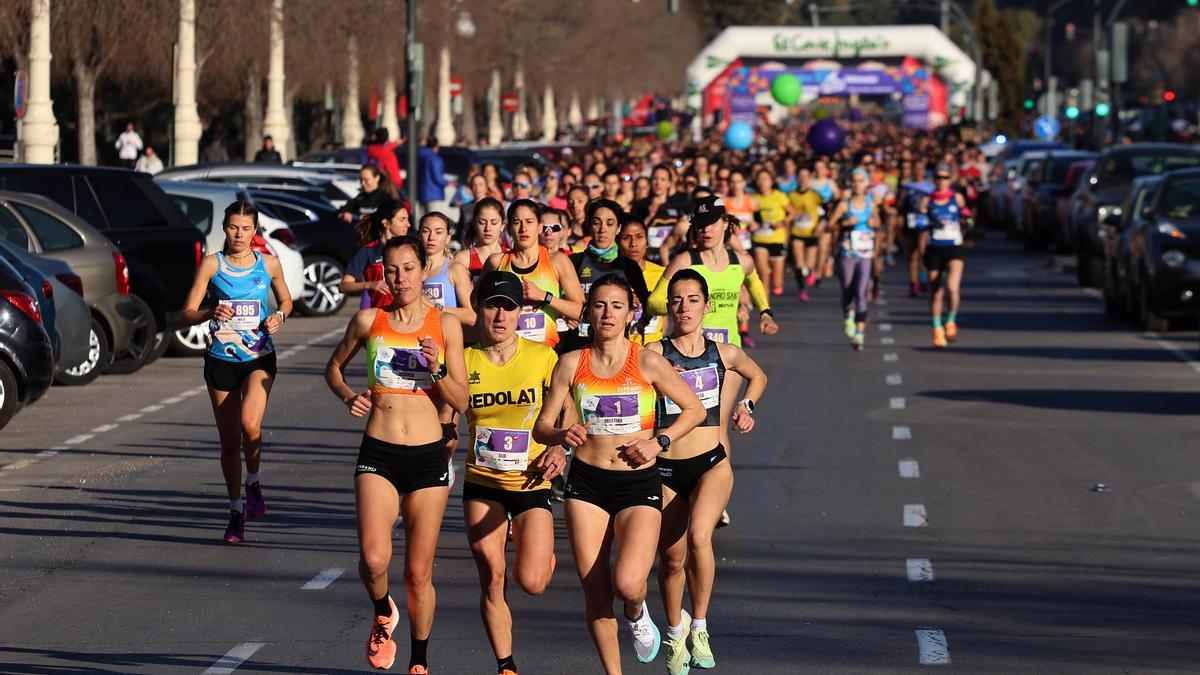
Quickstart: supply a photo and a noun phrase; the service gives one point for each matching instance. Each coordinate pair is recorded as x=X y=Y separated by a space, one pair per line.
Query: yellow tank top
x=537 y=324
x=773 y=209
x=652 y=272
x=621 y=404
x=502 y=404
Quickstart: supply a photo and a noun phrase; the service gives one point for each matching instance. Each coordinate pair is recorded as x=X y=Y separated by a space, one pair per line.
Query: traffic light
x=1193 y=3
x=1168 y=95
x=1072 y=112
x=1102 y=109
x=1029 y=104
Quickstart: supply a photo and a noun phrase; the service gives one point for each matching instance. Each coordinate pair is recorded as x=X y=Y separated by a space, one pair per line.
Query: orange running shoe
x=418 y=670
x=939 y=338
x=951 y=331
x=508 y=671
x=381 y=649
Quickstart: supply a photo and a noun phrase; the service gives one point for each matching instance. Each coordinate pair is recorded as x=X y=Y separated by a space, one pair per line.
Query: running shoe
x=256 y=506
x=235 y=532
x=508 y=671
x=724 y=520
x=811 y=279
x=678 y=657
x=857 y=342
x=646 y=638
x=876 y=292
x=939 y=338
x=381 y=649
x=802 y=296
x=951 y=331
x=702 y=656
x=747 y=341
x=418 y=670
x=912 y=290
x=849 y=327
x=778 y=290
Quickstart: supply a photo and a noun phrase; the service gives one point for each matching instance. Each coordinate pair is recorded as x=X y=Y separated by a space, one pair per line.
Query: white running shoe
x=646 y=638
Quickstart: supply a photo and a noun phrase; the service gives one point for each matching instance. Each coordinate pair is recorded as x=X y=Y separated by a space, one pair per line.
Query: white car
x=204 y=204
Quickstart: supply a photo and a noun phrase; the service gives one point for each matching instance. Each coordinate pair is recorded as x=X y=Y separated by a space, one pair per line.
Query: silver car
x=332 y=186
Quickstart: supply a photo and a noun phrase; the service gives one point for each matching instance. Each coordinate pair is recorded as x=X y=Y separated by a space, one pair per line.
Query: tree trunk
x=85 y=86
x=289 y=108
x=254 y=113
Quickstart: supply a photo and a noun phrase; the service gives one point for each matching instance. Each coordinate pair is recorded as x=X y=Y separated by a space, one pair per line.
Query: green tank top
x=724 y=294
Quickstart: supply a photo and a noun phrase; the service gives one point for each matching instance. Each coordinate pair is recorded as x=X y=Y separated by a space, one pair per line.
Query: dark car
x=162 y=249
x=326 y=242
x=1115 y=170
x=1164 y=253
x=26 y=356
x=1116 y=233
x=1045 y=183
x=1076 y=175
x=509 y=159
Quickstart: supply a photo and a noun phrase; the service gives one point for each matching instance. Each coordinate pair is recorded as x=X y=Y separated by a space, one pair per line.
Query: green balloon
x=821 y=114
x=786 y=89
x=664 y=129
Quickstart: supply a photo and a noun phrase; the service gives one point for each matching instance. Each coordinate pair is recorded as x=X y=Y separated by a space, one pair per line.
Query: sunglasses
x=552 y=227
x=943 y=177
x=521 y=185
x=594 y=186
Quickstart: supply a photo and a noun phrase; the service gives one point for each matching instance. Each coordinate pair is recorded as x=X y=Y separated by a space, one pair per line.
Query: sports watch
x=440 y=374
x=749 y=405
x=664 y=442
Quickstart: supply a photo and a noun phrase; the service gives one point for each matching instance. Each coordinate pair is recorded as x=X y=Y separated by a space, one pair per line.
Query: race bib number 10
x=531 y=325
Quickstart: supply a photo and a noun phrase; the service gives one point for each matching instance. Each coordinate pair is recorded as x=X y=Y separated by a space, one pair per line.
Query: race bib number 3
x=703 y=382
x=401 y=368
x=717 y=335
x=611 y=414
x=502 y=449
x=532 y=326
x=245 y=314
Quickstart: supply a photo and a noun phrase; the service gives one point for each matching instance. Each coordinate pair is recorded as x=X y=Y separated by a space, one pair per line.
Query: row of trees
x=119 y=52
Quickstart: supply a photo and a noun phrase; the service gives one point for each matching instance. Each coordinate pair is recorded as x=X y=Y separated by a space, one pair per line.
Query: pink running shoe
x=256 y=506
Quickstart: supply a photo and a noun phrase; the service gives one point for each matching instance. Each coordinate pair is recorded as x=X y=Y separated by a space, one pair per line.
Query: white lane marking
x=896 y=403
x=891 y=357
x=901 y=433
x=188 y=393
x=151 y=408
x=881 y=302
x=76 y=440
x=894 y=379
x=887 y=341
x=22 y=463
x=19 y=464
x=885 y=327
x=300 y=347
x=1094 y=292
x=129 y=418
x=1178 y=350
x=171 y=401
x=919 y=569
x=234 y=658
x=914 y=515
x=104 y=428
x=323 y=579
x=909 y=468
x=932 y=647
x=45 y=454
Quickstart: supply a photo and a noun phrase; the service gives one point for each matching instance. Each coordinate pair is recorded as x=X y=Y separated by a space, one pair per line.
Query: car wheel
x=1151 y=320
x=10 y=394
x=191 y=341
x=144 y=341
x=322 y=275
x=98 y=355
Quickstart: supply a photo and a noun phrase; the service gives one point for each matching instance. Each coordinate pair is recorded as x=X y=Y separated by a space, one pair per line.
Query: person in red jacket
x=382 y=153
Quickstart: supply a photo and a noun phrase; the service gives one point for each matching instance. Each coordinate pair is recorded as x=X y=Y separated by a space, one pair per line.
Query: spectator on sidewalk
x=268 y=154
x=129 y=145
x=381 y=152
x=149 y=162
x=431 y=178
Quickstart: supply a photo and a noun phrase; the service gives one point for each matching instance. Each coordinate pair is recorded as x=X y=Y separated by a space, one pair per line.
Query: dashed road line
x=130 y=417
x=919 y=569
x=894 y=379
x=887 y=341
x=151 y=408
x=234 y=658
x=915 y=516
x=885 y=327
x=897 y=403
x=932 y=648
x=891 y=357
x=104 y=428
x=323 y=579
x=76 y=440
x=901 y=433
x=172 y=400
x=1178 y=350
x=909 y=468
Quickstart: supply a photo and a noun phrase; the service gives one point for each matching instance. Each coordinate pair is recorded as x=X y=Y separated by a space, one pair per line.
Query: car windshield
x=1121 y=169
x=1181 y=199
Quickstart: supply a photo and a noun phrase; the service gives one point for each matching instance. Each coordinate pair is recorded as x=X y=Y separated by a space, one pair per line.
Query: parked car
x=1004 y=167
x=1115 y=169
x=26 y=356
x=1044 y=184
x=336 y=188
x=1164 y=253
x=69 y=315
x=161 y=247
x=326 y=242
x=204 y=204
x=43 y=294
x=1077 y=174
x=49 y=230
x=1116 y=235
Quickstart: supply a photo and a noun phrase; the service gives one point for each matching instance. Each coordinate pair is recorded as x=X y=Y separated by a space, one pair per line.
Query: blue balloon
x=739 y=136
x=826 y=138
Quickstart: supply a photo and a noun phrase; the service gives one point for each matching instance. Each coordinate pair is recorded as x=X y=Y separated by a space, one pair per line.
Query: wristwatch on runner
x=439 y=375
x=749 y=405
x=664 y=442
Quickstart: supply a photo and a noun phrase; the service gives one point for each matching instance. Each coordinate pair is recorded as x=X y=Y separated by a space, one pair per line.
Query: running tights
x=855 y=275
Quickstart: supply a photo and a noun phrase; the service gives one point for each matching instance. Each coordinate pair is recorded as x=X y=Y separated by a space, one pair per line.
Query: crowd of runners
x=591 y=322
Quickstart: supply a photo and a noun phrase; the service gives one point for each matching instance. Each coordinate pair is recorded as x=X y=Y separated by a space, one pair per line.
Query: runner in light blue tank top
x=440 y=288
x=244 y=289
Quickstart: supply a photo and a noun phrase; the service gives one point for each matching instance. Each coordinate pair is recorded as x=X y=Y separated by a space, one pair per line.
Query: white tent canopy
x=836 y=42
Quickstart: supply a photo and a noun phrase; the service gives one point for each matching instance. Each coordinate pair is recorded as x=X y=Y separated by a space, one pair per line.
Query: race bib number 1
x=611 y=414
x=436 y=293
x=862 y=242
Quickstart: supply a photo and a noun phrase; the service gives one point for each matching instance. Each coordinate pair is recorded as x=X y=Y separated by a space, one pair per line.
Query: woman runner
x=633 y=243
x=447 y=283
x=769 y=232
x=364 y=273
x=696 y=474
x=825 y=186
x=858 y=235
x=943 y=244
x=483 y=240
x=415 y=370
x=614 y=493
x=806 y=209
x=239 y=364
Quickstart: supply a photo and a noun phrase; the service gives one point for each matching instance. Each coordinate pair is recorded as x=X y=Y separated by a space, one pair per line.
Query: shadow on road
x=1089 y=400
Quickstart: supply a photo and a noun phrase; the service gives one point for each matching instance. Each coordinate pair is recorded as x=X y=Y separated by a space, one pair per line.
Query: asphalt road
x=895 y=507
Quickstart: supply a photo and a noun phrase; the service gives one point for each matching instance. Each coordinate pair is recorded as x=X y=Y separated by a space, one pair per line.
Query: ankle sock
x=699 y=624
x=506 y=662
x=676 y=632
x=235 y=505
x=952 y=317
x=382 y=606
x=937 y=321
x=251 y=478
x=420 y=649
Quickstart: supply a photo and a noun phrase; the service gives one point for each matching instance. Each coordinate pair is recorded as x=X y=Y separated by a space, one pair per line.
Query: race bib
x=436 y=292
x=246 y=314
x=397 y=368
x=658 y=234
x=744 y=239
x=916 y=221
x=717 y=335
x=611 y=414
x=652 y=325
x=862 y=242
x=502 y=449
x=948 y=232
x=704 y=383
x=531 y=325
x=560 y=325
x=803 y=226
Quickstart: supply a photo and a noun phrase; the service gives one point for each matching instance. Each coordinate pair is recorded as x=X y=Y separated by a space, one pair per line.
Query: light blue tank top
x=440 y=288
x=858 y=240
x=825 y=190
x=242 y=338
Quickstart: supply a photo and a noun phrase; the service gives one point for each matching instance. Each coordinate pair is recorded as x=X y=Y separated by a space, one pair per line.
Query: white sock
x=235 y=505
x=676 y=632
x=251 y=478
x=699 y=624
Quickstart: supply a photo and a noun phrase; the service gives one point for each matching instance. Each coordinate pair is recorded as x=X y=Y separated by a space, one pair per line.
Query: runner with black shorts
x=943 y=243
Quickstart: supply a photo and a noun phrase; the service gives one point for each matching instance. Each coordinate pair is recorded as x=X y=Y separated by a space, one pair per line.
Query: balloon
x=826 y=138
x=739 y=136
x=855 y=115
x=664 y=130
x=786 y=89
x=820 y=114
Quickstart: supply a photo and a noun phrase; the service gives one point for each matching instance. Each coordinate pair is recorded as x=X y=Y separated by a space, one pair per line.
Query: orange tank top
x=621 y=404
x=394 y=361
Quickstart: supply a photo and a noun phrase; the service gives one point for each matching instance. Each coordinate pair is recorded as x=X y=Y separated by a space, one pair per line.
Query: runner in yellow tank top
x=550 y=286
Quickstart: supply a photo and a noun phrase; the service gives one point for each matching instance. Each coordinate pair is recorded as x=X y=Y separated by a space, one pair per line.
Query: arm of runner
x=283 y=297
x=461 y=278
x=666 y=380
x=657 y=303
x=357 y=330
x=191 y=313
x=740 y=362
x=570 y=304
x=453 y=387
